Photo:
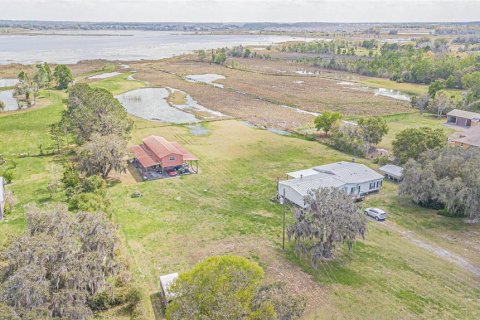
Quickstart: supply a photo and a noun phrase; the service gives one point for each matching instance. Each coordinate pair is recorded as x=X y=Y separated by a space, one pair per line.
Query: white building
x=2 y=198
x=356 y=179
x=166 y=281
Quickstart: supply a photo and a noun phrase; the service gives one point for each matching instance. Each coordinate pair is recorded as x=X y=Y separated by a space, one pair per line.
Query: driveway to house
x=438 y=251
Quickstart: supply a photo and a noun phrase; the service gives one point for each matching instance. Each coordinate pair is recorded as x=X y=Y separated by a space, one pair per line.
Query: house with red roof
x=157 y=157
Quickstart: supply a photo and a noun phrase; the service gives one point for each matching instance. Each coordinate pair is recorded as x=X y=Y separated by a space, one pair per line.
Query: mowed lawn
x=24 y=136
x=229 y=208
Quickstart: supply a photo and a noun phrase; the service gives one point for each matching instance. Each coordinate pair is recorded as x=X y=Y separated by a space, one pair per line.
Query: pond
x=198 y=130
x=208 y=78
x=105 y=75
x=389 y=93
x=394 y=94
x=152 y=104
x=4 y=83
x=7 y=98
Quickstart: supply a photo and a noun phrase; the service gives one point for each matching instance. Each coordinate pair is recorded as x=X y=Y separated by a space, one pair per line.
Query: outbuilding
x=463 y=118
x=166 y=281
x=468 y=138
x=355 y=179
x=392 y=172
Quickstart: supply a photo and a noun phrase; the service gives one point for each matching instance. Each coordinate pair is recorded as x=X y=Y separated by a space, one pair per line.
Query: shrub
x=7 y=176
x=381 y=160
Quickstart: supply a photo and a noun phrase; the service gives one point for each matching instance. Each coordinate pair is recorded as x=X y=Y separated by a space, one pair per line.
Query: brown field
x=254 y=94
x=12 y=70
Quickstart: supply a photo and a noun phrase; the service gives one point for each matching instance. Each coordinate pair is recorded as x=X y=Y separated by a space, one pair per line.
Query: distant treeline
x=370 y=28
x=415 y=63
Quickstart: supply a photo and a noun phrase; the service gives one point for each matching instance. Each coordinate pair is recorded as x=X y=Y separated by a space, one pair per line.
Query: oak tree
x=330 y=218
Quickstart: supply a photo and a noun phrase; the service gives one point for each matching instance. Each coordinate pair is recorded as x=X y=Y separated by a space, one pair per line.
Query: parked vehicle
x=376 y=213
x=172 y=173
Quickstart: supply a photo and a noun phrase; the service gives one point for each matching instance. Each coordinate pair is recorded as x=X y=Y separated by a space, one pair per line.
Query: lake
x=73 y=46
x=8 y=82
x=7 y=97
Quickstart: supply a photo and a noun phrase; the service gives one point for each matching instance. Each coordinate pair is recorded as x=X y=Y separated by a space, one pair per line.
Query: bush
x=444 y=212
x=89 y=202
x=102 y=301
x=133 y=298
x=108 y=67
x=381 y=160
x=7 y=176
x=348 y=139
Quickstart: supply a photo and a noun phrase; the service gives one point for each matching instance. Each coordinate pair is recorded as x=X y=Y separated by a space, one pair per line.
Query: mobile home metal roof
x=334 y=175
x=302 y=173
x=319 y=180
x=349 y=172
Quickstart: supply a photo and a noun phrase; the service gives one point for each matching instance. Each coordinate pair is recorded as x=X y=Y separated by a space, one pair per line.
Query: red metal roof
x=154 y=148
x=143 y=157
x=186 y=154
x=160 y=146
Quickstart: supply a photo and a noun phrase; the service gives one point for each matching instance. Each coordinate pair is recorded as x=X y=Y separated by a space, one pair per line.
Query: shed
x=2 y=198
x=463 y=118
x=166 y=281
x=392 y=172
x=468 y=138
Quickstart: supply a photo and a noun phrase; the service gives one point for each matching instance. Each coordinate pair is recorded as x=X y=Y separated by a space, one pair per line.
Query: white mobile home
x=356 y=179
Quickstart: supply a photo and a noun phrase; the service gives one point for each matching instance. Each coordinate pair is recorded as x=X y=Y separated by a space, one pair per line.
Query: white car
x=375 y=213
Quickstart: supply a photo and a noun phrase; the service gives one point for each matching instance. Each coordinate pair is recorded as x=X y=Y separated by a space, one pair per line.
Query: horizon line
x=243 y=22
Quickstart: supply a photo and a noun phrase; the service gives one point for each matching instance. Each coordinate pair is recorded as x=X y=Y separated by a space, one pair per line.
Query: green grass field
x=229 y=208
x=399 y=122
x=410 y=88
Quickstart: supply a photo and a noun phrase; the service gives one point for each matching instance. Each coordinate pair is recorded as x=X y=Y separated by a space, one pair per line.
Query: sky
x=242 y=10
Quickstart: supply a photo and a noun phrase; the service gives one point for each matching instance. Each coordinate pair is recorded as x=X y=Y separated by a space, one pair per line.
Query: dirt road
x=439 y=251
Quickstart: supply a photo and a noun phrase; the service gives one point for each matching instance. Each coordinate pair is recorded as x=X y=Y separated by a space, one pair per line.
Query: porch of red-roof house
x=156 y=171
